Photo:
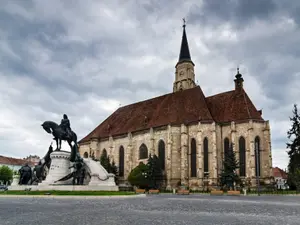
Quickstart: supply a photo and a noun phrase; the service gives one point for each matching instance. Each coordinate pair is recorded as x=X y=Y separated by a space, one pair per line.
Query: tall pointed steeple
x=184 y=54
x=184 y=75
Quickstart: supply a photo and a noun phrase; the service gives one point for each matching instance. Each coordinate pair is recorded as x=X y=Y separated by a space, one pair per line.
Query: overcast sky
x=85 y=58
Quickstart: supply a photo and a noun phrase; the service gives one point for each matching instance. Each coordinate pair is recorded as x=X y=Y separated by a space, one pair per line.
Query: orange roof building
x=279 y=173
x=14 y=163
x=187 y=130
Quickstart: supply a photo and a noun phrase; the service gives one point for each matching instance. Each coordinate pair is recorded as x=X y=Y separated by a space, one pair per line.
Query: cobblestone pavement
x=160 y=209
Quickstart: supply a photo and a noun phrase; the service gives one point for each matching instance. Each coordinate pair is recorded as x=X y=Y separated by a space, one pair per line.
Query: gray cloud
x=88 y=58
x=237 y=13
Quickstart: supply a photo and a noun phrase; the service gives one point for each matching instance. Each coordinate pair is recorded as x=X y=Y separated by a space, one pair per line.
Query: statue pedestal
x=97 y=178
x=60 y=163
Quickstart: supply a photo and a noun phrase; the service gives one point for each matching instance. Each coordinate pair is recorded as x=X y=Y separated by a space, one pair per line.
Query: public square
x=161 y=209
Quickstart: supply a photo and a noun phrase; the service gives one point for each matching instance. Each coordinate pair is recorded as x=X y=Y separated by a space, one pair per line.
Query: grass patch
x=77 y=193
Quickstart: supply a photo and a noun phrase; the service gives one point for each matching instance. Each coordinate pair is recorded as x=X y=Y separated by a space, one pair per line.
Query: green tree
x=139 y=176
x=294 y=148
x=6 y=174
x=297 y=179
x=109 y=166
x=105 y=161
x=228 y=175
x=113 y=168
x=155 y=173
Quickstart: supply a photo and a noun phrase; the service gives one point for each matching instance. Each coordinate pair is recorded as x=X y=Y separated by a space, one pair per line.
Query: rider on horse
x=65 y=125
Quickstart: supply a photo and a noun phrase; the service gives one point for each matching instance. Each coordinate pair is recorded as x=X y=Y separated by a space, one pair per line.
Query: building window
x=242 y=156
x=143 y=152
x=193 y=158
x=205 y=154
x=104 y=152
x=121 y=161
x=226 y=147
x=85 y=155
x=161 y=154
x=257 y=155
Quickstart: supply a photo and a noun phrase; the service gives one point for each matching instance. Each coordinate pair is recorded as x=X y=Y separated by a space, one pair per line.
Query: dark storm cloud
x=266 y=43
x=238 y=13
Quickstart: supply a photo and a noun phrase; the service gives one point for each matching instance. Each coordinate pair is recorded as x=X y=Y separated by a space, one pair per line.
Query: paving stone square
x=160 y=209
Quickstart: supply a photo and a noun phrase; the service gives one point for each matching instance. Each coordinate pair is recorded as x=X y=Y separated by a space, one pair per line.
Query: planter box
x=216 y=192
x=153 y=191
x=233 y=193
x=140 y=191
x=183 y=192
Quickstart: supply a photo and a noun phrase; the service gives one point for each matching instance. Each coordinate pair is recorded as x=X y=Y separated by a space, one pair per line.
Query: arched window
x=193 y=158
x=143 y=152
x=161 y=154
x=104 y=152
x=85 y=155
x=121 y=161
x=226 y=147
x=242 y=156
x=205 y=155
x=257 y=155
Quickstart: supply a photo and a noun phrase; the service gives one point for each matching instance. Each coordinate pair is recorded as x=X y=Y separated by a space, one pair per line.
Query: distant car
x=3 y=187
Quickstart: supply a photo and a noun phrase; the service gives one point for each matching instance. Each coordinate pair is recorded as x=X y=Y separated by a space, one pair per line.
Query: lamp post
x=145 y=175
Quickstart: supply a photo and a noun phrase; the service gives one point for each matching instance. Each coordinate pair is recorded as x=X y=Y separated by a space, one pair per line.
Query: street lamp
x=145 y=175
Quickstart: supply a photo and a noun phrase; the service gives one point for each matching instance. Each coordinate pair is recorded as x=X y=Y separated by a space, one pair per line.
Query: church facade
x=188 y=131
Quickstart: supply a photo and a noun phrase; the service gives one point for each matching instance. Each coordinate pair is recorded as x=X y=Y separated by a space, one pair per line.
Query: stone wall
x=177 y=141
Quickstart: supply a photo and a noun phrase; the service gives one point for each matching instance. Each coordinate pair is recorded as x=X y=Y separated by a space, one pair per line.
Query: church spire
x=184 y=74
x=238 y=80
x=184 y=55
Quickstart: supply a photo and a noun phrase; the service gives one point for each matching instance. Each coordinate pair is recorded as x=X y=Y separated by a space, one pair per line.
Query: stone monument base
x=97 y=178
x=60 y=167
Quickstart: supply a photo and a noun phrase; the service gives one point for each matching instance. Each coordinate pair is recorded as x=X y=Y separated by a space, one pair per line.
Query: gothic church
x=188 y=131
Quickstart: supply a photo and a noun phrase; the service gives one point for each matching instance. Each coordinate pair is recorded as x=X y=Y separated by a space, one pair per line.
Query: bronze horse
x=59 y=134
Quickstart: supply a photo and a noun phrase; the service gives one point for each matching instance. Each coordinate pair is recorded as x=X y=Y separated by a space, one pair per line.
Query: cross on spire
x=184 y=54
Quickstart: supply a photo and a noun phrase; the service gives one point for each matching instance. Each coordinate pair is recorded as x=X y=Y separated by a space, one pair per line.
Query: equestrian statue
x=61 y=132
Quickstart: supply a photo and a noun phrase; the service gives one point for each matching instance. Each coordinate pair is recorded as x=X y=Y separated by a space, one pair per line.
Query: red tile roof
x=176 y=108
x=232 y=106
x=277 y=172
x=13 y=161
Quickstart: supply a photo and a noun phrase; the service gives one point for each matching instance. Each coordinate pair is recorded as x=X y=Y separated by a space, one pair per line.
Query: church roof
x=185 y=106
x=232 y=106
x=175 y=108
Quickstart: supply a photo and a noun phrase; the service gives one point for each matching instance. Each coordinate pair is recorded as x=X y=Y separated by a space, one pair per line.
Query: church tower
x=184 y=75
